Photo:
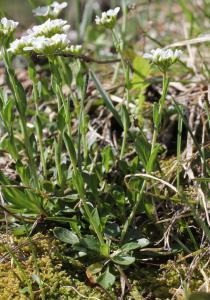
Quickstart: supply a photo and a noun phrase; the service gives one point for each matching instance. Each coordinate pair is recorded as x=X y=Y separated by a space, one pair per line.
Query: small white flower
x=108 y=19
x=163 y=58
x=52 y=10
x=49 y=28
x=18 y=45
x=41 y=11
x=7 y=26
x=113 y=12
x=74 y=49
x=58 y=7
x=55 y=44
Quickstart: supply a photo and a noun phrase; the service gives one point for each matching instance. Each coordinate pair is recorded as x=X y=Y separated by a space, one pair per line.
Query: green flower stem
x=66 y=109
x=81 y=127
x=125 y=134
x=154 y=142
x=32 y=75
x=179 y=143
x=58 y=149
x=160 y=112
x=18 y=91
x=119 y=45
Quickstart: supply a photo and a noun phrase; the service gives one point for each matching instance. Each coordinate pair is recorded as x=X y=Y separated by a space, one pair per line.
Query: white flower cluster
x=44 y=45
x=163 y=58
x=108 y=19
x=49 y=28
x=50 y=11
x=18 y=45
x=47 y=38
x=7 y=27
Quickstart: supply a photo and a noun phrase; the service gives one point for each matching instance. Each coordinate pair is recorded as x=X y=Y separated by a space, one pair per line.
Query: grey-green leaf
x=65 y=235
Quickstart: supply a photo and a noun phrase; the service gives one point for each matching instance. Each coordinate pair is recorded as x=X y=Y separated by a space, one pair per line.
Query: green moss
x=57 y=282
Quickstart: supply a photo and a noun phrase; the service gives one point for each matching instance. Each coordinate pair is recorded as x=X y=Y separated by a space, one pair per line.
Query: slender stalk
x=81 y=122
x=178 y=155
x=119 y=45
x=160 y=112
x=154 y=141
x=125 y=134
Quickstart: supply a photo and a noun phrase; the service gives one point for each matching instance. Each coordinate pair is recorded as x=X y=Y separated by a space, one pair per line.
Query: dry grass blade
x=198 y=40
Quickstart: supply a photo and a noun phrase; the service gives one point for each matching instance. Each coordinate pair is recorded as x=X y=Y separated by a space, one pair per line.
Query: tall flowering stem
x=157 y=123
x=119 y=45
x=163 y=59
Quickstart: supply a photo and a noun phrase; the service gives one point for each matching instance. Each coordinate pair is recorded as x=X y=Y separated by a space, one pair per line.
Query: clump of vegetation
x=106 y=152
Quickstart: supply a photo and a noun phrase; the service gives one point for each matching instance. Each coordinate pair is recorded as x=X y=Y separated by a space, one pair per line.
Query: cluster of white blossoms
x=47 y=38
x=163 y=58
x=7 y=27
x=50 y=11
x=108 y=18
x=49 y=28
x=44 y=45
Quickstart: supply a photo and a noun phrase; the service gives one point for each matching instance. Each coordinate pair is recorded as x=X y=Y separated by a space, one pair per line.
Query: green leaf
x=61 y=123
x=71 y=150
x=133 y=245
x=143 y=149
x=92 y=183
x=90 y=243
x=7 y=114
x=106 y=279
x=106 y=98
x=95 y=216
x=142 y=70
x=65 y=235
x=79 y=183
x=124 y=116
x=107 y=158
x=122 y=259
x=153 y=159
x=156 y=114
